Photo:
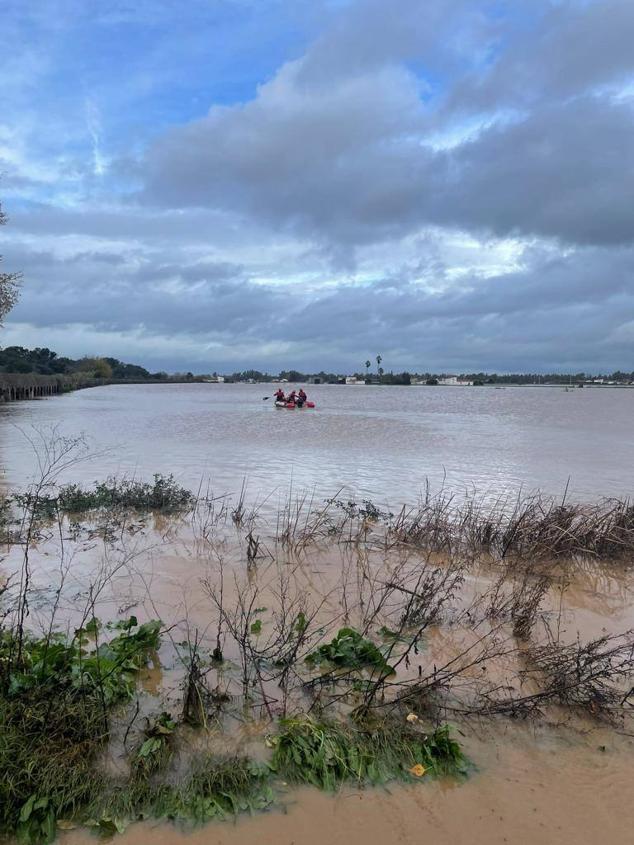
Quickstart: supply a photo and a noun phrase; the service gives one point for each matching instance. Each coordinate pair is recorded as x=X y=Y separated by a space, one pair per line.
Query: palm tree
x=378 y=364
x=368 y=364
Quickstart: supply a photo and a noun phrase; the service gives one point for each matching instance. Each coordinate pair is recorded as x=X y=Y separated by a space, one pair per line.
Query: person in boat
x=279 y=395
x=301 y=397
x=290 y=399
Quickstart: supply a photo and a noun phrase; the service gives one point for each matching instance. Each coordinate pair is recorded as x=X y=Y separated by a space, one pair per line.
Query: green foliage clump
x=327 y=754
x=155 y=750
x=217 y=788
x=17 y=359
x=221 y=787
x=163 y=494
x=55 y=698
x=52 y=663
x=349 y=650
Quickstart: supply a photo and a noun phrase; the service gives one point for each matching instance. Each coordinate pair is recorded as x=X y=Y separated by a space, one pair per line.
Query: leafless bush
x=593 y=677
x=587 y=676
x=196 y=693
x=526 y=600
x=529 y=528
x=269 y=639
x=435 y=587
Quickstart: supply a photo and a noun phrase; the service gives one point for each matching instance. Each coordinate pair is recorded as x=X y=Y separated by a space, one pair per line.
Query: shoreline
x=16 y=387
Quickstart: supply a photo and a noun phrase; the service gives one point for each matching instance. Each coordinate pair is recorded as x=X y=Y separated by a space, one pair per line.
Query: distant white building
x=454 y=381
x=354 y=380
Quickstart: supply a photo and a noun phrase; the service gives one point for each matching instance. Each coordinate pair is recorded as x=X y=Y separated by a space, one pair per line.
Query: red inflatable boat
x=292 y=405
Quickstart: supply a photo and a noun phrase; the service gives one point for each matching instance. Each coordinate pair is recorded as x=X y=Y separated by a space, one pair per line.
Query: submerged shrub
x=155 y=750
x=350 y=650
x=163 y=494
x=217 y=788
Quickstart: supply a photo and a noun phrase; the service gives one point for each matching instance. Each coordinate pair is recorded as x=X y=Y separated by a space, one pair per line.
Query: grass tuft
x=328 y=754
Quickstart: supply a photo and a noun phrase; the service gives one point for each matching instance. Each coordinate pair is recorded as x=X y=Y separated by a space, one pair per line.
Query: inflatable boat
x=290 y=406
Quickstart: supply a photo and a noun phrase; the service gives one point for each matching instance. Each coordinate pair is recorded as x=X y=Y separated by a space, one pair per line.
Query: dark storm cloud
x=124 y=223
x=558 y=311
x=548 y=288
x=336 y=146
x=552 y=314
x=565 y=171
x=160 y=298
x=319 y=162
x=572 y=47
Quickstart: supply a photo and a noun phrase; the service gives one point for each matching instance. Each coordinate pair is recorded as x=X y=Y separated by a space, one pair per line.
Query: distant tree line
x=406 y=378
x=545 y=378
x=43 y=361
x=18 y=359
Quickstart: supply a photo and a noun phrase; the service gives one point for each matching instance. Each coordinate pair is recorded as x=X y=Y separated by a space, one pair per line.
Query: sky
x=220 y=185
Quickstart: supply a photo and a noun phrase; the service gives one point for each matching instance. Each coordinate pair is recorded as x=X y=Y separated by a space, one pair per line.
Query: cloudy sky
x=223 y=184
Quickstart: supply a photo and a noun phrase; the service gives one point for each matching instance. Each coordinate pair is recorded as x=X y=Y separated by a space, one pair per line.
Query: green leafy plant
x=350 y=650
x=155 y=750
x=54 y=721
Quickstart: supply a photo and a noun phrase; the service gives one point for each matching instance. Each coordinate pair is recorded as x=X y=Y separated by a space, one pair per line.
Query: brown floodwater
x=533 y=780
x=381 y=443
x=556 y=780
x=529 y=789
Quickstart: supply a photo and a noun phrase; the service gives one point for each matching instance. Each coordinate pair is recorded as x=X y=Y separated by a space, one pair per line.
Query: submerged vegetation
x=340 y=669
x=164 y=494
x=349 y=650
x=56 y=698
x=328 y=754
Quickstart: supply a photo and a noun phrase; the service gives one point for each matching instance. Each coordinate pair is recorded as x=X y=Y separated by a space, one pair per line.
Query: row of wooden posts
x=15 y=386
x=37 y=391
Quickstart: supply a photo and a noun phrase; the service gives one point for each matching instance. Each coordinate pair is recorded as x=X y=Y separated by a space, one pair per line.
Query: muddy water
x=533 y=781
x=555 y=790
x=381 y=443
x=547 y=784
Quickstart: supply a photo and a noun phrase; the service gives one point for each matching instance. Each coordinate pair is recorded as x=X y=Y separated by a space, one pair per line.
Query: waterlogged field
x=458 y=669
x=381 y=443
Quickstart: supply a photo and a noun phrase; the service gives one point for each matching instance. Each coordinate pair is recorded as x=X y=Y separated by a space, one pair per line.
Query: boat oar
x=265 y=397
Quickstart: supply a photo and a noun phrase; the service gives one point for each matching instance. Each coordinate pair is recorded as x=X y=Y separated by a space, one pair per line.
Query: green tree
x=102 y=368
x=9 y=284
